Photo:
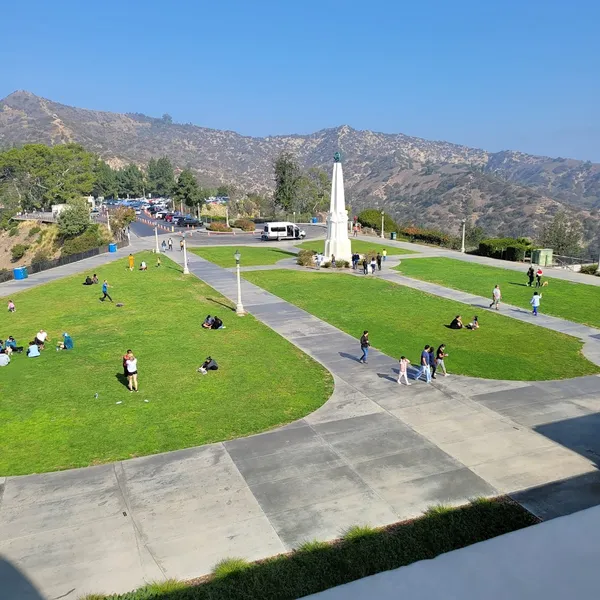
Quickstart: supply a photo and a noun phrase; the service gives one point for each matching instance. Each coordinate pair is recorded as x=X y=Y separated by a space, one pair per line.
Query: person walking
x=384 y=253
x=373 y=265
x=105 y=293
x=170 y=245
x=164 y=246
x=364 y=346
x=403 y=370
x=158 y=261
x=432 y=362
x=132 y=373
x=530 y=275
x=440 y=356
x=181 y=245
x=538 y=277
x=378 y=259
x=355 y=230
x=535 y=303
x=131 y=261
x=496 y=296
x=333 y=263
x=424 y=368
x=319 y=260
x=365 y=266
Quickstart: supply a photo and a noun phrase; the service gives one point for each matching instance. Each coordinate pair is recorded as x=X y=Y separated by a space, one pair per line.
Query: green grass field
x=402 y=320
x=573 y=301
x=251 y=256
x=358 y=245
x=51 y=418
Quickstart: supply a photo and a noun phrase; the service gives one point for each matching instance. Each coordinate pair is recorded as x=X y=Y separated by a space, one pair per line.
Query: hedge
x=244 y=225
x=429 y=236
x=504 y=248
x=372 y=218
x=218 y=227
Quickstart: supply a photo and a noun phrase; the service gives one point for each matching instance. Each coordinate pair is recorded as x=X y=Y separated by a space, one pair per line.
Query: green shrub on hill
x=18 y=251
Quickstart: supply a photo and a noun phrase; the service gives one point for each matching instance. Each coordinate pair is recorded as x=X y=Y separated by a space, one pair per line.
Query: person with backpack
x=364 y=347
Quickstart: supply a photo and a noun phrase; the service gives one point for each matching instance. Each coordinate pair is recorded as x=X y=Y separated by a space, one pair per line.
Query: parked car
x=282 y=230
x=187 y=222
x=161 y=214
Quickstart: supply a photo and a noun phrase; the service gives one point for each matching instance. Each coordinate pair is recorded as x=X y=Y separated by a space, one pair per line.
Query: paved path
x=375 y=453
x=553 y=560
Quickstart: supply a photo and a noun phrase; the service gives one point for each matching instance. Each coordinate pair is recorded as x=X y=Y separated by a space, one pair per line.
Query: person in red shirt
x=538 y=277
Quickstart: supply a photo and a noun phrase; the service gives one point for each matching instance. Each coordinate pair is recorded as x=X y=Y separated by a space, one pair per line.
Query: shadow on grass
x=223 y=304
x=363 y=551
x=122 y=378
x=519 y=284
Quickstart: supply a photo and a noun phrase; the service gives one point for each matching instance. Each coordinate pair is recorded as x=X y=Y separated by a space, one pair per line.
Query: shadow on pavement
x=14 y=585
x=350 y=356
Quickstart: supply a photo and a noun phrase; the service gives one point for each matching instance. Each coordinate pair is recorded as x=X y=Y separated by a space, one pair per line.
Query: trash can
x=112 y=247
x=393 y=235
x=314 y=220
x=20 y=273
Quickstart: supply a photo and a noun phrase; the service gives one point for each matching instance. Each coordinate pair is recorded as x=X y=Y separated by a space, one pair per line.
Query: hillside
x=427 y=182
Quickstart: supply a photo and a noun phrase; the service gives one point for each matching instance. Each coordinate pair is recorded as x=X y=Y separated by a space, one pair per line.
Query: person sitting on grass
x=10 y=345
x=40 y=338
x=66 y=344
x=456 y=323
x=143 y=266
x=33 y=350
x=95 y=279
x=11 y=306
x=474 y=324
x=88 y=281
x=208 y=322
x=4 y=359
x=208 y=365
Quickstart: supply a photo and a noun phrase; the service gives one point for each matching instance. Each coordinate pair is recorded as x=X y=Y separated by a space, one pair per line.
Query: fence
x=44 y=265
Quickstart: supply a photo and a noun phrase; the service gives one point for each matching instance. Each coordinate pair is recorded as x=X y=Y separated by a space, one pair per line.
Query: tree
x=563 y=235
x=187 y=189
x=313 y=191
x=130 y=181
x=74 y=220
x=167 y=118
x=106 y=181
x=160 y=177
x=122 y=217
x=287 y=181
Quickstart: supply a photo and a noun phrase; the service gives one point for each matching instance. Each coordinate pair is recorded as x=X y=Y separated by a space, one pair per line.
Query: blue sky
x=518 y=75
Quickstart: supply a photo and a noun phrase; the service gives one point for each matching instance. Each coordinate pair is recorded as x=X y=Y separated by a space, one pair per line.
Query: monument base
x=341 y=249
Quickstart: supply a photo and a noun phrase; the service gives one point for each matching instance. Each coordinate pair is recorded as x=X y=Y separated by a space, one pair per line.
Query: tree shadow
x=15 y=584
x=122 y=378
x=223 y=304
x=350 y=356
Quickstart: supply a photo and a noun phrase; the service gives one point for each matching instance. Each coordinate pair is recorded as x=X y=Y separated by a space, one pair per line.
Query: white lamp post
x=239 y=309
x=294 y=213
x=156 y=238
x=382 y=216
x=186 y=271
x=464 y=224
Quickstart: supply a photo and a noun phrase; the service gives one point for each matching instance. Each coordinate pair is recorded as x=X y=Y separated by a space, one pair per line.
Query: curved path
x=375 y=453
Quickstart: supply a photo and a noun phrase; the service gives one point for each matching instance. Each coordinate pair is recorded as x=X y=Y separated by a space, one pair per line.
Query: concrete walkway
x=375 y=453
x=553 y=560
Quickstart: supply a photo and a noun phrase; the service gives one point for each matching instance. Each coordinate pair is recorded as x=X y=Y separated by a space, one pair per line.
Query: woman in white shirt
x=131 y=366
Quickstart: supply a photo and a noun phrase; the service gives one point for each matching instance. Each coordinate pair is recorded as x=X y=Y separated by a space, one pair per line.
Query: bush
x=504 y=248
x=339 y=264
x=429 y=236
x=13 y=230
x=92 y=238
x=305 y=258
x=5 y=275
x=18 y=251
x=74 y=220
x=218 y=227
x=244 y=225
x=33 y=231
x=589 y=269
x=41 y=260
x=372 y=218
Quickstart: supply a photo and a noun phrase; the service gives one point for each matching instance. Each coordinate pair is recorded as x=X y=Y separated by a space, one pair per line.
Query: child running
x=535 y=303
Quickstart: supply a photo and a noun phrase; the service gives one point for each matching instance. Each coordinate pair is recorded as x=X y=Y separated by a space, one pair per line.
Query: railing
x=44 y=265
x=572 y=263
x=45 y=217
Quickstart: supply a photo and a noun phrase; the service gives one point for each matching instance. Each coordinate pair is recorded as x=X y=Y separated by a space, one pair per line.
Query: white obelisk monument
x=337 y=242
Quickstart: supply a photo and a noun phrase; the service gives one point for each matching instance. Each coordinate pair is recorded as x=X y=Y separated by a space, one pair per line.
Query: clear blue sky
x=495 y=74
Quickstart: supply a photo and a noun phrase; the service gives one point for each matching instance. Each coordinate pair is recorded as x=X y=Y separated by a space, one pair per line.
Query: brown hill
x=426 y=182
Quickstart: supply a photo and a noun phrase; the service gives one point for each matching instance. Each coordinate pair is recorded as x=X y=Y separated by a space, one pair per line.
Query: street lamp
x=156 y=238
x=294 y=217
x=382 y=215
x=186 y=271
x=464 y=224
x=239 y=309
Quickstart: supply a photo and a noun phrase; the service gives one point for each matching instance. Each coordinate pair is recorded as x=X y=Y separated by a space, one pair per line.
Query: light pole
x=294 y=213
x=108 y=221
x=239 y=309
x=227 y=216
x=464 y=225
x=382 y=216
x=156 y=238
x=186 y=271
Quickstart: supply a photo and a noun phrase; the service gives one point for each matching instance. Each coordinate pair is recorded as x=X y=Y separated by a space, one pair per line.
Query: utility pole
x=464 y=225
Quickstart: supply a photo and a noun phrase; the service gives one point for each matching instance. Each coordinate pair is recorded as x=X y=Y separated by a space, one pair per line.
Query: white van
x=282 y=230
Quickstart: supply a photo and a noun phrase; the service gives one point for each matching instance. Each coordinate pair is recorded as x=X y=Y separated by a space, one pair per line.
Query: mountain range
x=428 y=183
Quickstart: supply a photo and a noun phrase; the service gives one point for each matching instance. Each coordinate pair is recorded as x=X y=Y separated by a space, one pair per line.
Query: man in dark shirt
x=364 y=346
x=424 y=368
x=378 y=258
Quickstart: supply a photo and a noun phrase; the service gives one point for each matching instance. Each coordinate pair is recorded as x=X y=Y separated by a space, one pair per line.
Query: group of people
x=10 y=346
x=7 y=347
x=130 y=370
x=91 y=280
x=164 y=245
x=374 y=264
x=431 y=361
x=535 y=299
x=458 y=324
x=534 y=273
x=213 y=323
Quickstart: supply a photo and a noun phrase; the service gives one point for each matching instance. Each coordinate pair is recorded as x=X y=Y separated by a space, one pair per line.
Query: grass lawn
x=363 y=551
x=358 y=245
x=401 y=320
x=251 y=256
x=51 y=418
x=573 y=301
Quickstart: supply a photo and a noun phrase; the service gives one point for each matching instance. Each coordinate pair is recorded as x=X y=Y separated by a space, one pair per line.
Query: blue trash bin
x=111 y=248
x=20 y=273
x=314 y=220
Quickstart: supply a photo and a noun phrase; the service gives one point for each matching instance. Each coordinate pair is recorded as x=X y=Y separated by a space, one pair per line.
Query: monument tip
x=337 y=157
